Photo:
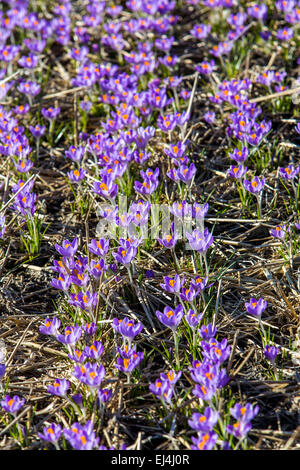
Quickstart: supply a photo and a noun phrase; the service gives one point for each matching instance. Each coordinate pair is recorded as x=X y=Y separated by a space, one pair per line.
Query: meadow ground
x=149 y=225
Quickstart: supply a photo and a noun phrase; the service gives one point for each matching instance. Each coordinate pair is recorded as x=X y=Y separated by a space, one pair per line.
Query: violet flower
x=68 y=249
x=204 y=441
x=51 y=326
x=170 y=317
x=279 y=231
x=12 y=404
x=51 y=433
x=71 y=335
x=59 y=388
x=270 y=353
x=172 y=285
x=127 y=328
x=204 y=422
x=256 y=307
x=200 y=241
x=255 y=185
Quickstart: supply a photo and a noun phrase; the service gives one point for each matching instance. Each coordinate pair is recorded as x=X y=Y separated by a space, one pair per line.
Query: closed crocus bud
x=270 y=353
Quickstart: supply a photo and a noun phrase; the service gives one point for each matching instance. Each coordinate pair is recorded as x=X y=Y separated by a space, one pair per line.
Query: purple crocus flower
x=289 y=172
x=51 y=326
x=188 y=294
x=97 y=268
x=279 y=231
x=270 y=353
x=215 y=351
x=127 y=328
x=245 y=412
x=186 y=173
x=25 y=203
x=90 y=328
x=22 y=109
x=90 y=374
x=204 y=422
x=37 y=131
x=256 y=307
x=28 y=62
x=168 y=241
x=63 y=282
x=12 y=404
x=204 y=441
x=125 y=255
x=75 y=153
x=51 y=433
x=99 y=247
x=258 y=11
x=207 y=331
x=200 y=31
x=94 y=351
x=239 y=429
x=166 y=123
x=79 y=54
x=208 y=372
x=209 y=117
x=239 y=155
x=172 y=377
x=104 y=394
x=50 y=113
x=172 y=285
x=128 y=364
x=79 y=278
x=29 y=88
x=77 y=356
x=81 y=437
x=170 y=317
x=147 y=187
x=237 y=172
x=59 y=388
x=176 y=150
x=84 y=300
x=193 y=319
x=285 y=34
x=200 y=241
x=106 y=188
x=162 y=389
x=23 y=166
x=205 y=68
x=199 y=211
x=68 y=249
x=181 y=209
x=76 y=176
x=205 y=392
x=255 y=185
x=71 y=336
x=237 y=19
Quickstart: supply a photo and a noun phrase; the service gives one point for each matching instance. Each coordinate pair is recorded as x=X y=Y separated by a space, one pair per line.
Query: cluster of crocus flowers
x=128 y=358
x=163 y=387
x=77 y=276
x=209 y=377
x=243 y=414
x=81 y=437
x=88 y=370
